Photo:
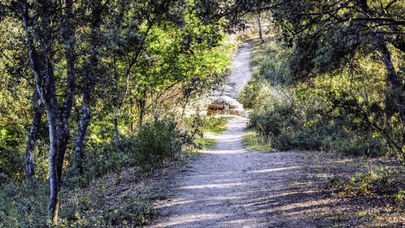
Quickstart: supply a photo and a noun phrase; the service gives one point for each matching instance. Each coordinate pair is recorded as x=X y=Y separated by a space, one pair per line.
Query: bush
x=155 y=142
x=328 y=112
x=26 y=206
x=23 y=205
x=200 y=124
x=160 y=140
x=11 y=147
x=133 y=213
x=248 y=95
x=383 y=181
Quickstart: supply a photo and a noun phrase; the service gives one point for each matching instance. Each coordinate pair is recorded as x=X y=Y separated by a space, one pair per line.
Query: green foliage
x=347 y=111
x=206 y=143
x=10 y=151
x=383 y=182
x=251 y=141
x=154 y=143
x=23 y=205
x=248 y=95
x=215 y=125
x=200 y=124
x=160 y=140
x=141 y=59
x=133 y=212
x=26 y=206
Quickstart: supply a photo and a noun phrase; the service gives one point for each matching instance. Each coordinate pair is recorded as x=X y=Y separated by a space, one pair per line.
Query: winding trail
x=241 y=73
x=229 y=186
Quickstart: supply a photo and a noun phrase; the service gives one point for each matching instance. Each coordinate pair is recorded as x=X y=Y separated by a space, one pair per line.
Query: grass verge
x=212 y=126
x=252 y=142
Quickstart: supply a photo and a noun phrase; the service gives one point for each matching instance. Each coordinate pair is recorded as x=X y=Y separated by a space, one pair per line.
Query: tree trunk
x=117 y=134
x=141 y=104
x=79 y=141
x=88 y=90
x=396 y=87
x=38 y=110
x=69 y=43
x=53 y=164
x=185 y=105
x=259 y=20
x=45 y=82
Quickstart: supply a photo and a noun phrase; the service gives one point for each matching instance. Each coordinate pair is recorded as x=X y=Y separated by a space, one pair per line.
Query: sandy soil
x=240 y=76
x=229 y=186
x=241 y=73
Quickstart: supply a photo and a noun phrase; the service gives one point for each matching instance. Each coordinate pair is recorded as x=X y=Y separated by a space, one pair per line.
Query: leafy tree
x=329 y=35
x=99 y=55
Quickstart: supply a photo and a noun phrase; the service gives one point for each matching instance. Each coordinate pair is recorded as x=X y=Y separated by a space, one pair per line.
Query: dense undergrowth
x=346 y=112
x=341 y=112
x=155 y=145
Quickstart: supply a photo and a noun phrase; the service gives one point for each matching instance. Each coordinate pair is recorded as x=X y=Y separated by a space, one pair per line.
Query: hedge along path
x=229 y=186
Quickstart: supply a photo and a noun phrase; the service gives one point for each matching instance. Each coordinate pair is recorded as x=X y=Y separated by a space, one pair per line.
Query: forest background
x=89 y=87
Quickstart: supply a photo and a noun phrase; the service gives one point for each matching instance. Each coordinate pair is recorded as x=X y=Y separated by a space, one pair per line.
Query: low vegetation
x=114 y=171
x=291 y=115
x=350 y=191
x=208 y=127
x=251 y=141
x=344 y=113
x=91 y=87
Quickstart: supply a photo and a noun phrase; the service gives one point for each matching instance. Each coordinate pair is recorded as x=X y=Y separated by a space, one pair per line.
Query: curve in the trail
x=229 y=186
x=241 y=74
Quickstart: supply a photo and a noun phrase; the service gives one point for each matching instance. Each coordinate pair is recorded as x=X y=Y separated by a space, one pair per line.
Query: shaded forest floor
x=282 y=189
x=231 y=187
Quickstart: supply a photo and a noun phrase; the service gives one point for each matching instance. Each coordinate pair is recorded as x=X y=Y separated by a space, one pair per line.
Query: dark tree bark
x=396 y=86
x=41 y=62
x=88 y=90
x=259 y=20
x=38 y=110
x=69 y=42
x=80 y=136
x=141 y=106
x=117 y=134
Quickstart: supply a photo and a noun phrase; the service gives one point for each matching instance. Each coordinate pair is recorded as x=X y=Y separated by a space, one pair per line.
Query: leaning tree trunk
x=38 y=109
x=396 y=86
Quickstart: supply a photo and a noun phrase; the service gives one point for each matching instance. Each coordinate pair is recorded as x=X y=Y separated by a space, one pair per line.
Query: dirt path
x=229 y=186
x=241 y=73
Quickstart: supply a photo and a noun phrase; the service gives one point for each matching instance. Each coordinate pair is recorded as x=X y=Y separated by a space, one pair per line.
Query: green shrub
x=132 y=213
x=382 y=181
x=160 y=140
x=23 y=205
x=155 y=142
x=11 y=147
x=339 y=112
x=200 y=124
x=248 y=95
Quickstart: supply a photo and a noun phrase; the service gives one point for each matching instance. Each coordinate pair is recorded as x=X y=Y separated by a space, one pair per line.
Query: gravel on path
x=229 y=186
